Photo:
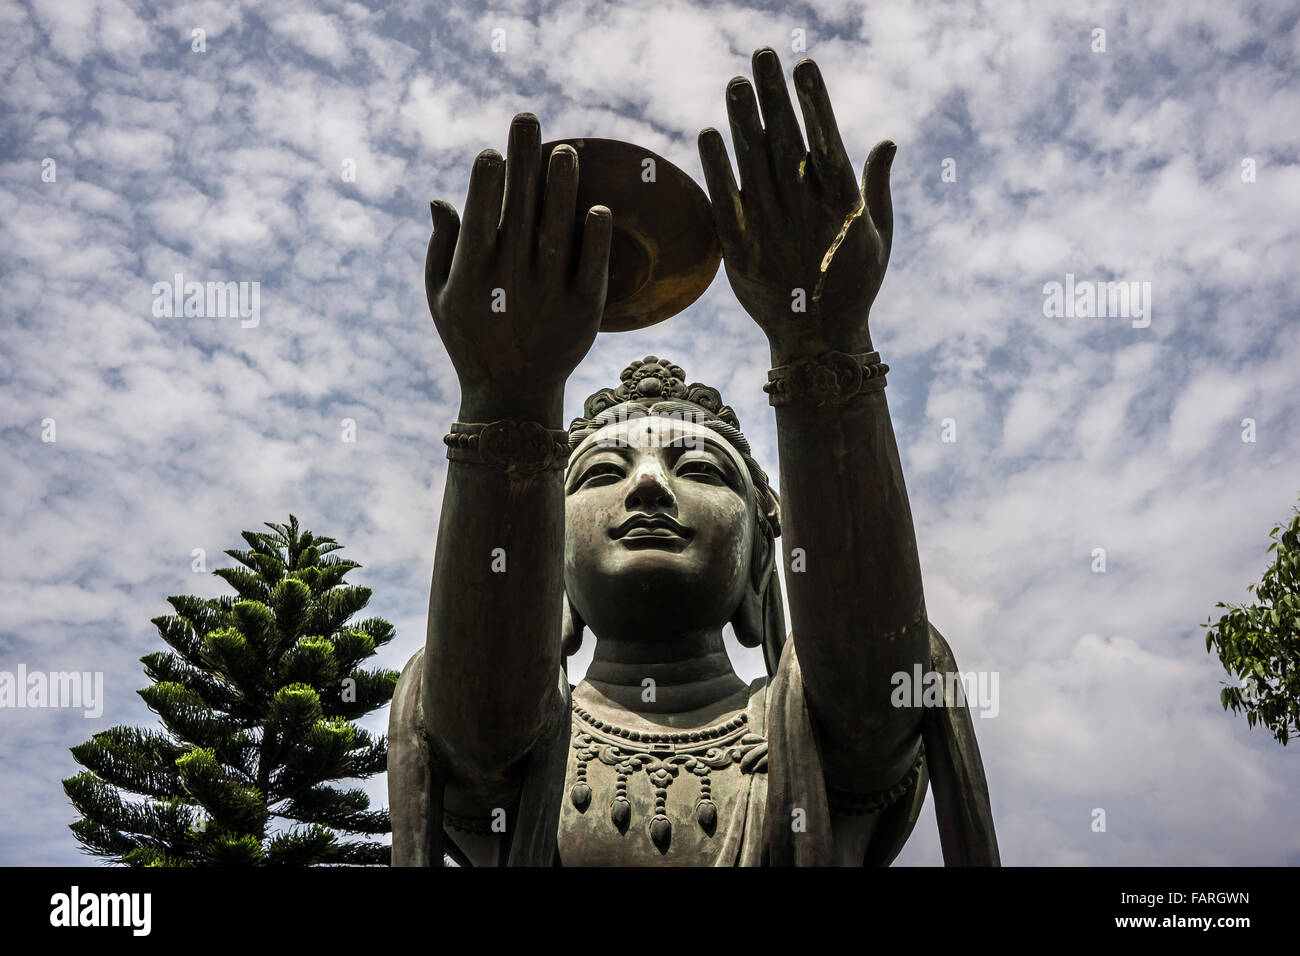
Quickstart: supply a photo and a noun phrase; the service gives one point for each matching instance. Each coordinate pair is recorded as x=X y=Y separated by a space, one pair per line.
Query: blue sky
x=1122 y=164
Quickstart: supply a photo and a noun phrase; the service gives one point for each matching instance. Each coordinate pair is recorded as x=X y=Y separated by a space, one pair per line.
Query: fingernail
x=564 y=156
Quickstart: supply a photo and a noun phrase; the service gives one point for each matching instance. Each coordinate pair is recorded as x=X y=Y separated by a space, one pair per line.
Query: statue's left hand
x=804 y=247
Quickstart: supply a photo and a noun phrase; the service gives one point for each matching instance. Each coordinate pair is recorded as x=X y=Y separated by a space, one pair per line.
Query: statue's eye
x=701 y=469
x=603 y=473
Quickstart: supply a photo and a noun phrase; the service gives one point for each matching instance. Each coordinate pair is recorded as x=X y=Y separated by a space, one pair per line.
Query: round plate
x=664 y=252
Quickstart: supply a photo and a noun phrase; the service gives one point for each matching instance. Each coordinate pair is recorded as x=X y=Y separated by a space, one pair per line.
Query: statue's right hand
x=516 y=293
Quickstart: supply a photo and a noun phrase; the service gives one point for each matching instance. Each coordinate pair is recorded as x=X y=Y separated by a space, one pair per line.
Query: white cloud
x=316 y=33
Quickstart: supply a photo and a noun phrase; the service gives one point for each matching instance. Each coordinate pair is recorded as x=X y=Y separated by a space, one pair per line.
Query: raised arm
x=517 y=302
x=805 y=250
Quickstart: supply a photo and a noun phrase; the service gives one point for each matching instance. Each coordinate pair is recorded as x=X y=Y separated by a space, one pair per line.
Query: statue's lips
x=642 y=528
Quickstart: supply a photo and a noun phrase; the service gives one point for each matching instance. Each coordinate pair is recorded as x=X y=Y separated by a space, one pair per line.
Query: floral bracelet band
x=831 y=378
x=524 y=448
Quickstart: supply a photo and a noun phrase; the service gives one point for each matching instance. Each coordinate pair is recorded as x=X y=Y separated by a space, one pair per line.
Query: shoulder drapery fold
x=411 y=793
x=951 y=762
x=535 y=826
x=797 y=831
x=416 y=786
x=961 y=792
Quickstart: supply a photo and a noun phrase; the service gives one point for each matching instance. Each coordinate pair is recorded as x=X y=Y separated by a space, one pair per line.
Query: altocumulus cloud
x=299 y=150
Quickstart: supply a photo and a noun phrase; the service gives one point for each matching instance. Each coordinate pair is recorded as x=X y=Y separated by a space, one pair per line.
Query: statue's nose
x=650 y=489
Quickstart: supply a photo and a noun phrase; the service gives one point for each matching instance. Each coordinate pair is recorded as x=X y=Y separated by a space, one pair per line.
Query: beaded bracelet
x=859 y=803
x=831 y=378
x=524 y=448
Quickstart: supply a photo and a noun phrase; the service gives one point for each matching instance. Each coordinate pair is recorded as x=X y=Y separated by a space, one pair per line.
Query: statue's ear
x=749 y=621
x=766 y=531
x=760 y=619
x=571 y=629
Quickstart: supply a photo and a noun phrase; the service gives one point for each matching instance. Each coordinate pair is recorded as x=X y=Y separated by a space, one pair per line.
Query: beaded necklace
x=662 y=755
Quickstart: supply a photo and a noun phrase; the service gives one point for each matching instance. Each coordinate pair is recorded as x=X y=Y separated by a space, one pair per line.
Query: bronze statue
x=649 y=523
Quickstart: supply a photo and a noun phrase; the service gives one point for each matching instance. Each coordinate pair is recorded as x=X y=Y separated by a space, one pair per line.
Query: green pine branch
x=257 y=695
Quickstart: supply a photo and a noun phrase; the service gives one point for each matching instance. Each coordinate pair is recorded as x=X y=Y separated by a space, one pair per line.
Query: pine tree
x=257 y=697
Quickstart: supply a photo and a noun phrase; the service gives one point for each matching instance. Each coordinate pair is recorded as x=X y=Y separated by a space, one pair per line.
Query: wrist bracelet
x=859 y=803
x=524 y=448
x=831 y=378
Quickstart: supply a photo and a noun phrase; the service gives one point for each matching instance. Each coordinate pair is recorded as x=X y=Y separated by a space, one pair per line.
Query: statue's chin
x=666 y=573
x=646 y=585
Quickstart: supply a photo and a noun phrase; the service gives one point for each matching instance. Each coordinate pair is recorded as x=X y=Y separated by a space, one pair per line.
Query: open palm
x=805 y=248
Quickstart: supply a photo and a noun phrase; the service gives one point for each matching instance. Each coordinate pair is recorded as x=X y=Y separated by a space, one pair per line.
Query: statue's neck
x=686 y=675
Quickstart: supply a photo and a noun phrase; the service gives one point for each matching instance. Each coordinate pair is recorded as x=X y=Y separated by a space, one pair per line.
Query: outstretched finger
x=825 y=148
x=523 y=191
x=593 y=260
x=784 y=141
x=875 y=189
x=478 y=229
x=747 y=140
x=442 y=245
x=555 y=241
x=723 y=194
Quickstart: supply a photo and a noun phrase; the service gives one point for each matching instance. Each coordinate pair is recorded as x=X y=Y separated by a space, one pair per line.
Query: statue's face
x=659 y=528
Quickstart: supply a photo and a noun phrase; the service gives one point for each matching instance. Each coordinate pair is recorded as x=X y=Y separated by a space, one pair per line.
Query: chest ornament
x=662 y=756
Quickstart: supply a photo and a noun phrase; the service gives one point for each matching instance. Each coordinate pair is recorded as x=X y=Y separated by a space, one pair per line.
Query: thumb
x=875 y=190
x=442 y=244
